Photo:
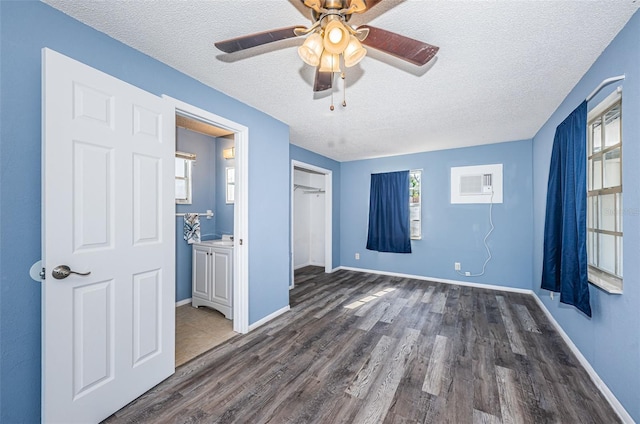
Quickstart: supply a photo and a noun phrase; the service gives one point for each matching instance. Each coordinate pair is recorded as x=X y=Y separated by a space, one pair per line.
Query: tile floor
x=199 y=330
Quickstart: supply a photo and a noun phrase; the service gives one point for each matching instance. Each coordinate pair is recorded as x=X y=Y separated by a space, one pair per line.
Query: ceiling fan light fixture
x=336 y=37
x=354 y=52
x=311 y=50
x=329 y=62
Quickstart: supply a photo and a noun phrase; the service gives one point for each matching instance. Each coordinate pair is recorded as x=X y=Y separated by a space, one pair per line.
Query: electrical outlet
x=357 y=256
x=467 y=274
x=456 y=266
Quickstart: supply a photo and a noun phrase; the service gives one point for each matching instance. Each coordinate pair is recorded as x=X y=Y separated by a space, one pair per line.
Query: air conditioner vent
x=472 y=185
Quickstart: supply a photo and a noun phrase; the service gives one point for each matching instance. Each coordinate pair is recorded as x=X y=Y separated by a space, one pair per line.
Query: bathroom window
x=231 y=185
x=184 y=162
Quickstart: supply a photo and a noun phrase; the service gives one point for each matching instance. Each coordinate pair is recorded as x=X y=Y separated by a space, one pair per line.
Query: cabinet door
x=222 y=277
x=201 y=272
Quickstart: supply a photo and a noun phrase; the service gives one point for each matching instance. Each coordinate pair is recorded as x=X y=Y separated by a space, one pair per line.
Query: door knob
x=63 y=271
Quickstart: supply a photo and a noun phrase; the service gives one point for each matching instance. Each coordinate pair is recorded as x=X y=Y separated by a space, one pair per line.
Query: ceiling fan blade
x=247 y=41
x=405 y=48
x=323 y=80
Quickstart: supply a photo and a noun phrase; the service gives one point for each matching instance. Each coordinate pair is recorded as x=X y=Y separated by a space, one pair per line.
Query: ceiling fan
x=330 y=37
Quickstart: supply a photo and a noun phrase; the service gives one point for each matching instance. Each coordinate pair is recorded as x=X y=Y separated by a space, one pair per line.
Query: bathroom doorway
x=205 y=159
x=234 y=137
x=311 y=217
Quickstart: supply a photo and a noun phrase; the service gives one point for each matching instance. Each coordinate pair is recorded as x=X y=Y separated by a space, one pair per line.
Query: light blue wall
x=27 y=27
x=451 y=232
x=610 y=340
x=223 y=211
x=204 y=186
x=268 y=244
x=311 y=158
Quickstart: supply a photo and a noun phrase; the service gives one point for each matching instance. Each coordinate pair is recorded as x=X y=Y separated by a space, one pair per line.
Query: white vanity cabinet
x=213 y=276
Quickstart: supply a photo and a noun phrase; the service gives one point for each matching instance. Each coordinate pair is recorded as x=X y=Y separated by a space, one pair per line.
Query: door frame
x=328 y=214
x=240 y=210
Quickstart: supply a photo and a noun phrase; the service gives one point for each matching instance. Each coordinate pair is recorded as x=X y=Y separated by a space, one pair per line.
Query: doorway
x=204 y=157
x=311 y=217
x=239 y=134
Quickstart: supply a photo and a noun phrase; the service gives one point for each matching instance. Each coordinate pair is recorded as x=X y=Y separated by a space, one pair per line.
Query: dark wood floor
x=363 y=348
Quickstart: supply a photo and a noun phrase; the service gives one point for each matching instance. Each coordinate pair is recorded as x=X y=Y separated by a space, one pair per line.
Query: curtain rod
x=603 y=84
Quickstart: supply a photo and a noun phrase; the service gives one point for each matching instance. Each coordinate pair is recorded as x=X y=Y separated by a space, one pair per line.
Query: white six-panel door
x=108 y=158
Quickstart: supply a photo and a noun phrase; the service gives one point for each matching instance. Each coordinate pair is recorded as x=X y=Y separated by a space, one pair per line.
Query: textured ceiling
x=502 y=69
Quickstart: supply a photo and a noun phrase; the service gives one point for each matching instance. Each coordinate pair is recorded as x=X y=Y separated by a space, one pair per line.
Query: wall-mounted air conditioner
x=476 y=184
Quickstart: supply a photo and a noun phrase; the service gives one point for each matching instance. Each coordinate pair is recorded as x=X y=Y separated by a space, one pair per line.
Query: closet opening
x=311 y=218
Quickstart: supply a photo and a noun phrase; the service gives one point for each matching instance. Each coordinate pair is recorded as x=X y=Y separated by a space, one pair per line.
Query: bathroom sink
x=219 y=242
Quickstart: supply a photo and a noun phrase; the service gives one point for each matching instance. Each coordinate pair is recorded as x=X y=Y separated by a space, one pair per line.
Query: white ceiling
x=502 y=69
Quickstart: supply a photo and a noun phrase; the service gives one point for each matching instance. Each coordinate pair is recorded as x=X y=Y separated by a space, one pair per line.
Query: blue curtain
x=389 y=213
x=564 y=267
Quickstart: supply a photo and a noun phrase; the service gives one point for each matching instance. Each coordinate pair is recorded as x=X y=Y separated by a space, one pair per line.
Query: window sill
x=605 y=282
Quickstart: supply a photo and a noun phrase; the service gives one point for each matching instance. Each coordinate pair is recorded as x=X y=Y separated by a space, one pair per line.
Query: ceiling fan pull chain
x=344 y=90
x=331 y=108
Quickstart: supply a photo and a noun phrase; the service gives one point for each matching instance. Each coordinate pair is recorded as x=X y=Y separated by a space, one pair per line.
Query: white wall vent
x=476 y=184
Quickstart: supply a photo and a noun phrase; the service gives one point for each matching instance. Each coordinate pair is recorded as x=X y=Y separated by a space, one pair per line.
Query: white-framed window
x=604 y=194
x=184 y=161
x=415 y=203
x=231 y=185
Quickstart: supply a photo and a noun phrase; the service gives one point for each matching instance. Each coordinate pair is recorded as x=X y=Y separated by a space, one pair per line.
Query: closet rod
x=297 y=186
x=604 y=84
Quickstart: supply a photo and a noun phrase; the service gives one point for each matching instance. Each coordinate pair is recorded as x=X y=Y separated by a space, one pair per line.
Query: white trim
x=608 y=283
x=309 y=264
x=241 y=210
x=439 y=280
x=268 y=318
x=605 y=104
x=606 y=392
x=328 y=215
x=183 y=302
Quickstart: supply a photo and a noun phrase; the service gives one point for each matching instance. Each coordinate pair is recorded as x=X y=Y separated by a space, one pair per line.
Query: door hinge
x=43 y=273
x=240 y=242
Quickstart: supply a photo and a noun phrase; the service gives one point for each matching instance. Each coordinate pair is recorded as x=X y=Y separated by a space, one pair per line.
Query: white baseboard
x=439 y=280
x=308 y=264
x=268 y=318
x=183 y=302
x=606 y=392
